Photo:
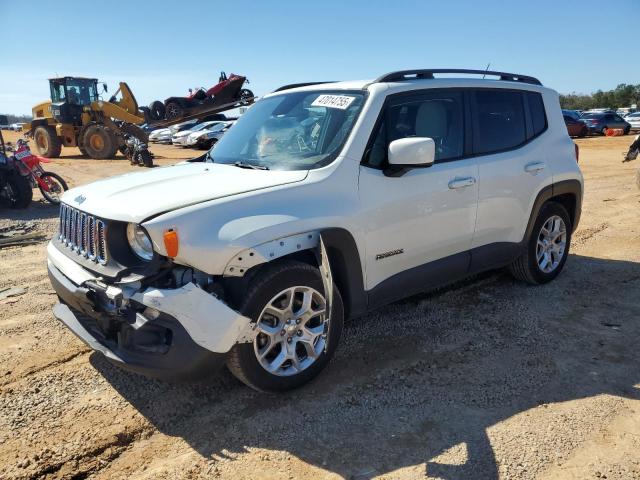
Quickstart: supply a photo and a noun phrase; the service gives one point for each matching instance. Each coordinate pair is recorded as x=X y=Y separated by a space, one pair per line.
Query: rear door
x=508 y=131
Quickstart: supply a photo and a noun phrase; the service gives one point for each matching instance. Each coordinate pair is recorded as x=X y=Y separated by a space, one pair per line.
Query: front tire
x=99 y=142
x=293 y=344
x=547 y=247
x=156 y=110
x=57 y=186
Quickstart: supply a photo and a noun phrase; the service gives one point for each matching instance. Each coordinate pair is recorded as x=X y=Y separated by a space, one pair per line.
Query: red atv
x=51 y=185
x=228 y=90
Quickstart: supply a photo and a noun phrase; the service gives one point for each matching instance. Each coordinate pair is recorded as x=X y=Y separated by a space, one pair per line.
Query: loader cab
x=69 y=96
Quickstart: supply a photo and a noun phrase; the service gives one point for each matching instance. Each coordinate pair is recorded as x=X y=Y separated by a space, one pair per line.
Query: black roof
x=74 y=78
x=419 y=74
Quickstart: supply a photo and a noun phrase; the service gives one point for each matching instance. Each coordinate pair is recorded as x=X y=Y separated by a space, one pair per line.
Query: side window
x=538 y=116
x=435 y=115
x=500 y=122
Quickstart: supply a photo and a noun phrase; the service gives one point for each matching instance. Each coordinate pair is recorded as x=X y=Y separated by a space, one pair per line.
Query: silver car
x=633 y=119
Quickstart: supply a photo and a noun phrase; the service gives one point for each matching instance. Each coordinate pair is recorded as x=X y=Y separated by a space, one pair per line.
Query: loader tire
x=156 y=110
x=99 y=142
x=83 y=151
x=47 y=142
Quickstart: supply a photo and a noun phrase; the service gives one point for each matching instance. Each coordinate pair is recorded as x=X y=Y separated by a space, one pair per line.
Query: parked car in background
x=575 y=128
x=161 y=135
x=601 y=122
x=633 y=119
x=180 y=138
x=208 y=138
x=575 y=114
x=599 y=110
x=623 y=112
x=16 y=127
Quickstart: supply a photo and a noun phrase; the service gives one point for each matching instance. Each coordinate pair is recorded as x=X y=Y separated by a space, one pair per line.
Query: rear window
x=500 y=121
x=536 y=110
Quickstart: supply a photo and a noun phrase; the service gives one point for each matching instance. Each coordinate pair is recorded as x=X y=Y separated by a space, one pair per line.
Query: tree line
x=622 y=96
x=16 y=118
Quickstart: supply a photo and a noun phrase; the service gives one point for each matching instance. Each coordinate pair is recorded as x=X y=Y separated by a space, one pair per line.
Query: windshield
x=295 y=131
x=81 y=91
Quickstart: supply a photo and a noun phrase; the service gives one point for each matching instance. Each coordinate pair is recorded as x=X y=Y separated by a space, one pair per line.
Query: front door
x=426 y=214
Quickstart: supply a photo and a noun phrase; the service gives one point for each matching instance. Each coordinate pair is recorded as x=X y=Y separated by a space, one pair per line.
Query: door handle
x=461 y=182
x=534 y=167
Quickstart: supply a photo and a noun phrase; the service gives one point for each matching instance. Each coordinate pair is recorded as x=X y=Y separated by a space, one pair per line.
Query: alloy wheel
x=292 y=331
x=552 y=243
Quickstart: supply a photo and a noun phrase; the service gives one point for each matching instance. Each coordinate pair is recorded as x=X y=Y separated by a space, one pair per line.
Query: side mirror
x=104 y=87
x=410 y=152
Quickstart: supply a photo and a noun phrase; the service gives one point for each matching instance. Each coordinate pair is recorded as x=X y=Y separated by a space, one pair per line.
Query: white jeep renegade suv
x=324 y=201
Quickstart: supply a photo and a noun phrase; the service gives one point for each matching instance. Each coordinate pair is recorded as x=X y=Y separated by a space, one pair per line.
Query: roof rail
x=296 y=85
x=428 y=74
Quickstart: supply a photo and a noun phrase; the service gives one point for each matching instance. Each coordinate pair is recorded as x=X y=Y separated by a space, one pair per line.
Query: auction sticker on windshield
x=333 y=101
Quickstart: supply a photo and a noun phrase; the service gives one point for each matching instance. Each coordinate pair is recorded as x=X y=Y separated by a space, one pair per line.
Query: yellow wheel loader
x=76 y=117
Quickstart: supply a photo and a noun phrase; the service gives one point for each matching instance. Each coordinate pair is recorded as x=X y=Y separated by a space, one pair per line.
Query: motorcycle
x=15 y=190
x=137 y=151
x=51 y=185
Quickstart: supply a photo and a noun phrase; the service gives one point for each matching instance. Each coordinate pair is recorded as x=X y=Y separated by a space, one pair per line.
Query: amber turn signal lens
x=171 y=243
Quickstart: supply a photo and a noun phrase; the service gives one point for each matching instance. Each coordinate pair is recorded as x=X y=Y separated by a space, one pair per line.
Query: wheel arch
x=567 y=192
x=342 y=251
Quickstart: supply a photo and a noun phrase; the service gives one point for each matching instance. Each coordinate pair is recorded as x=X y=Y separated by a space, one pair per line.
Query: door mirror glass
x=104 y=87
x=412 y=152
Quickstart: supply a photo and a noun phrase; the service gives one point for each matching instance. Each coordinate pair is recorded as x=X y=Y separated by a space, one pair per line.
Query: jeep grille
x=83 y=233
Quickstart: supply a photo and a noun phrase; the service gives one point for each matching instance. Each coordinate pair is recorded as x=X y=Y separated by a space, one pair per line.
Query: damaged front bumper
x=177 y=334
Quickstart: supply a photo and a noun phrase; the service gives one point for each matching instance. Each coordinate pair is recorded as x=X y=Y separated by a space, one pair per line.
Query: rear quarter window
x=537 y=112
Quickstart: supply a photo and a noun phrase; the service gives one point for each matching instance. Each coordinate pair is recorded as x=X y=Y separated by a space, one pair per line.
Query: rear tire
x=263 y=290
x=19 y=191
x=47 y=142
x=173 y=110
x=99 y=142
x=145 y=159
x=529 y=266
x=56 y=184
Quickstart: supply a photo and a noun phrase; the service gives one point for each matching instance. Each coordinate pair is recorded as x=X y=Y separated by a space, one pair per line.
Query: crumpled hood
x=134 y=197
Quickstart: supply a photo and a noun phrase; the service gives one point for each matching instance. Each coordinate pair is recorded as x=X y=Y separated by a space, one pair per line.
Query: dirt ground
x=488 y=379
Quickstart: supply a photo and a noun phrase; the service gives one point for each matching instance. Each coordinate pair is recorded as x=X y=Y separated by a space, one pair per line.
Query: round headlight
x=139 y=241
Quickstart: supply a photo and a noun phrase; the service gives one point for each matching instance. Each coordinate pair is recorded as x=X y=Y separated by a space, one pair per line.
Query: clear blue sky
x=162 y=48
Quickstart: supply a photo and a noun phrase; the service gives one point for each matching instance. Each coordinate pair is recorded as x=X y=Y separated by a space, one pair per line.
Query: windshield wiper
x=251 y=166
